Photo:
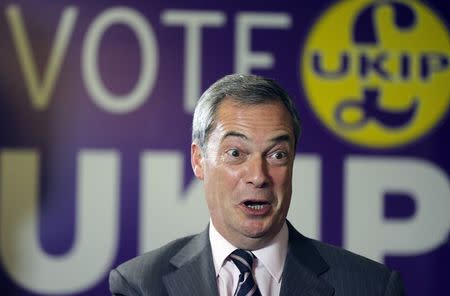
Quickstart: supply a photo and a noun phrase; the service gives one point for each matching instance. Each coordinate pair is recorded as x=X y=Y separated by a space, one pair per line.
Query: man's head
x=245 y=131
x=245 y=89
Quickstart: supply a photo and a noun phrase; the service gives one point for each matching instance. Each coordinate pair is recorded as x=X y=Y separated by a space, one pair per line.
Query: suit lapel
x=195 y=274
x=303 y=267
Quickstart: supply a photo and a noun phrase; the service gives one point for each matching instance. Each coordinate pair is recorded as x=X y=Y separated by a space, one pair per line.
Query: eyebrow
x=234 y=134
x=281 y=138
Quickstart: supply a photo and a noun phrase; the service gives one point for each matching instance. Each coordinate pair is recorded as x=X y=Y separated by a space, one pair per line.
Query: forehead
x=269 y=118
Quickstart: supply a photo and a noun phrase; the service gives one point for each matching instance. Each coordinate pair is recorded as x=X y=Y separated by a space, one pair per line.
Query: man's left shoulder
x=343 y=259
x=346 y=266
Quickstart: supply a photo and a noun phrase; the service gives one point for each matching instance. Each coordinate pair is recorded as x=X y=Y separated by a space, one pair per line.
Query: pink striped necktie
x=244 y=261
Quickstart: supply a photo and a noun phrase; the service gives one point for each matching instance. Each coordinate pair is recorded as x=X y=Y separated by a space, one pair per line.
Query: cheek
x=282 y=177
x=224 y=173
x=227 y=187
x=231 y=175
x=220 y=183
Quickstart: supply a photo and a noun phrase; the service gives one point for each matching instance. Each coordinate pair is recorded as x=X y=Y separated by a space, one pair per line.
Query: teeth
x=256 y=207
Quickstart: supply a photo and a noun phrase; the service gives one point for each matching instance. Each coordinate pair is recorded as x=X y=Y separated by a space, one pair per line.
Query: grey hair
x=244 y=89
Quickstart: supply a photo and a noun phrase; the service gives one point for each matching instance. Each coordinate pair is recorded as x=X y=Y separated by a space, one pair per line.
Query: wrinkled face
x=247 y=171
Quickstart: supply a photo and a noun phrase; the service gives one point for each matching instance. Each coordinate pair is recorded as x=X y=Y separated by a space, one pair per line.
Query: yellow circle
x=379 y=92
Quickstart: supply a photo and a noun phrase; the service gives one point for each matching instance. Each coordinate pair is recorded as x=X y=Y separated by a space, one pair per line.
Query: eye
x=234 y=156
x=234 y=153
x=278 y=157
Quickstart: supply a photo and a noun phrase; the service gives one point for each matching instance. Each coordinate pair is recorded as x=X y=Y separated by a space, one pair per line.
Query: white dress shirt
x=267 y=267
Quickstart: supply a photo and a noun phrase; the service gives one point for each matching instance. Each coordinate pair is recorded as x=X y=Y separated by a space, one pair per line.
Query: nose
x=257 y=172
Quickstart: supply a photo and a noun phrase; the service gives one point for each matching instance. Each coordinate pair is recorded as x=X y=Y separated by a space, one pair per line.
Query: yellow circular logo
x=377 y=73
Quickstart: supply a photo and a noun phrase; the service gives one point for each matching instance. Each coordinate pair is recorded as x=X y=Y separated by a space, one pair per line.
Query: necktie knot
x=244 y=262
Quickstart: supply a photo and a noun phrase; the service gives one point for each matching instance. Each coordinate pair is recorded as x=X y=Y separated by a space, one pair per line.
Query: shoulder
x=339 y=257
x=153 y=261
x=363 y=273
x=137 y=275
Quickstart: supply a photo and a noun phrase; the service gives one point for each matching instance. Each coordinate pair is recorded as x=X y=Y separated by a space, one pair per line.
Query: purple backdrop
x=96 y=96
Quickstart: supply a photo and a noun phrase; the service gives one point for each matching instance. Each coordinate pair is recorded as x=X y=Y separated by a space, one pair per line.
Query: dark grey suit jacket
x=185 y=267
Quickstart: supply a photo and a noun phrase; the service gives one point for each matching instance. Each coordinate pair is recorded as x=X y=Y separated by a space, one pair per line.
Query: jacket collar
x=195 y=269
x=303 y=267
x=195 y=273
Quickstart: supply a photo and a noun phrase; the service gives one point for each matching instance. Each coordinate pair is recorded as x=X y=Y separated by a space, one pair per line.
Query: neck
x=244 y=242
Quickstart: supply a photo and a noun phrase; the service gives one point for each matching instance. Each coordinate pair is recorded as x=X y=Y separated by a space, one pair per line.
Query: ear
x=197 y=160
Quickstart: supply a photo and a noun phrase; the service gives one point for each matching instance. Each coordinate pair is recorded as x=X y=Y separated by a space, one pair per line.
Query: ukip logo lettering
x=376 y=73
x=371 y=110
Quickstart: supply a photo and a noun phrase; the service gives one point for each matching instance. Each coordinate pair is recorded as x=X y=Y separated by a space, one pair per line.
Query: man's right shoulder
x=155 y=258
x=145 y=271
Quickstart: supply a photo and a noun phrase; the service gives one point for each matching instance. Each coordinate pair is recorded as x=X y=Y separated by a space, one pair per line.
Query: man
x=245 y=131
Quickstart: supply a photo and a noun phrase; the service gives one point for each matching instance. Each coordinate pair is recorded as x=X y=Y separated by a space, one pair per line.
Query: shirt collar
x=220 y=247
x=272 y=256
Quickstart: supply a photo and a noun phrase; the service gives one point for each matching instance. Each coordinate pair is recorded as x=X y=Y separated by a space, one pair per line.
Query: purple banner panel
x=96 y=103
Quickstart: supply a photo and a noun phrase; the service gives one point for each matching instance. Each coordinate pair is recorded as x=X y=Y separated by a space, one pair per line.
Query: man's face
x=247 y=171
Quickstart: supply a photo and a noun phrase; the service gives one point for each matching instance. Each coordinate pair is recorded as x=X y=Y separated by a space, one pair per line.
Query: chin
x=257 y=229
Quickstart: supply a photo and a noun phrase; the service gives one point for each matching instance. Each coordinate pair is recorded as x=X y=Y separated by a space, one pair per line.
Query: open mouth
x=256 y=205
x=256 y=208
